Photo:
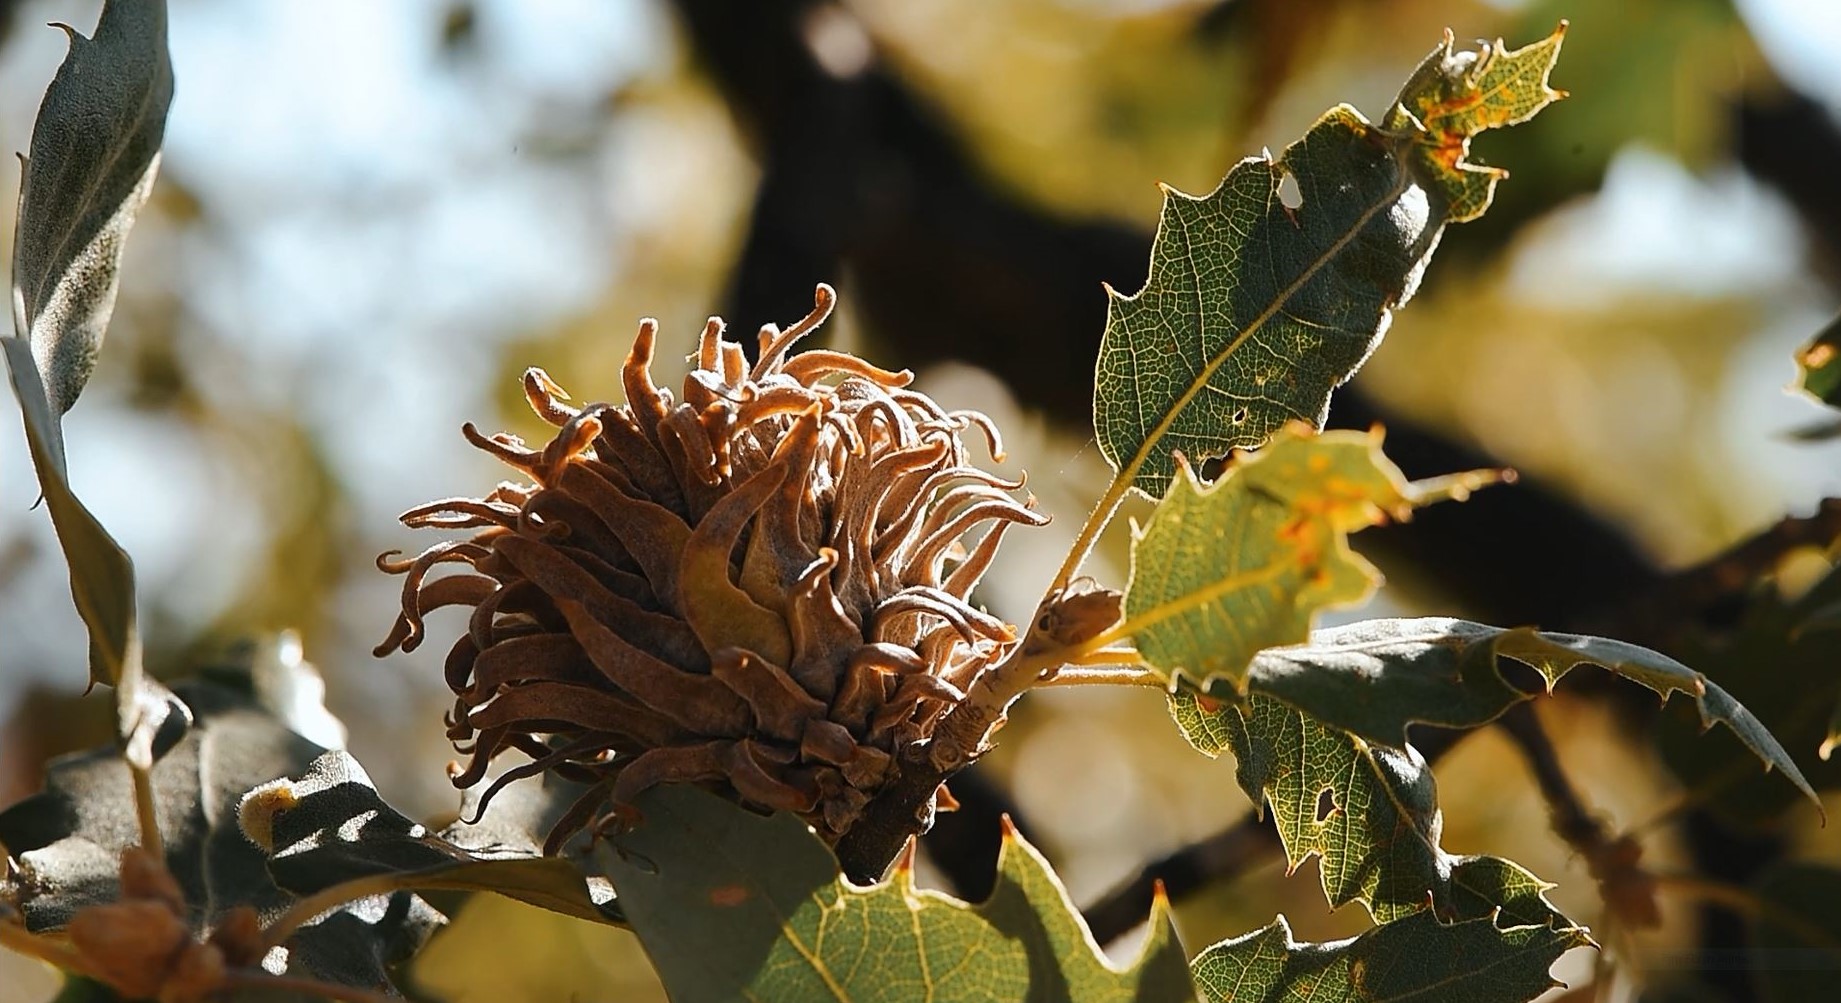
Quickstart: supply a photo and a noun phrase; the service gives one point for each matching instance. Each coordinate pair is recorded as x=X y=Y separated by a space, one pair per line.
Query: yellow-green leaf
x=1255 y=309
x=1030 y=907
x=1416 y=958
x=1455 y=95
x=731 y=905
x=1222 y=571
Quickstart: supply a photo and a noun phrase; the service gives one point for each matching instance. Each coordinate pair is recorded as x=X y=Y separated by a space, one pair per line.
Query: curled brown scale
x=760 y=584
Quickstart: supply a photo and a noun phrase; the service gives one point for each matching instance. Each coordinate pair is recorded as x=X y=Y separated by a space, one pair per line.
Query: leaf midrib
x=1129 y=473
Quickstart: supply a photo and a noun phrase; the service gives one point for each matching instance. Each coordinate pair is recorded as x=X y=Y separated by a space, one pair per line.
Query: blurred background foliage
x=372 y=217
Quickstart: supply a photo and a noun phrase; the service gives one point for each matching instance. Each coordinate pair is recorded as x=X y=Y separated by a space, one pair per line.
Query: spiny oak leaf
x=1416 y=958
x=1376 y=677
x=328 y=824
x=732 y=905
x=1255 y=309
x=1220 y=572
x=1370 y=813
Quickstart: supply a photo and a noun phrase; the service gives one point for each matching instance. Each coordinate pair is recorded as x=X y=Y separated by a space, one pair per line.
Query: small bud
x=257 y=812
x=130 y=945
x=239 y=937
x=198 y=973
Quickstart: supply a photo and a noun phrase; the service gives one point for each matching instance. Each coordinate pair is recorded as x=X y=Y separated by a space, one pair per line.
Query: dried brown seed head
x=759 y=584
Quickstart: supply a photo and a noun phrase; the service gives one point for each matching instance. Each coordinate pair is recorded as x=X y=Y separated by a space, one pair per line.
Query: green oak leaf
x=732 y=905
x=95 y=151
x=1030 y=906
x=1796 y=932
x=1455 y=95
x=1255 y=309
x=1376 y=677
x=1220 y=572
x=1820 y=363
x=1416 y=958
x=1370 y=813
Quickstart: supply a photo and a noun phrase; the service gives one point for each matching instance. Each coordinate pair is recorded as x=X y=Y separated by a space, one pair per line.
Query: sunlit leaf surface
x=95 y=151
x=1370 y=813
x=1416 y=958
x=732 y=905
x=1222 y=571
x=1259 y=303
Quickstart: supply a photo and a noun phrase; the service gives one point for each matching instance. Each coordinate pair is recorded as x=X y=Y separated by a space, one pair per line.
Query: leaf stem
x=18 y=939
x=145 y=812
x=325 y=900
x=259 y=980
x=1122 y=675
x=1097 y=521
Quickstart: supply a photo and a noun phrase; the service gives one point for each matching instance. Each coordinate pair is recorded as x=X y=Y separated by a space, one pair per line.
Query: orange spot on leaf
x=729 y=896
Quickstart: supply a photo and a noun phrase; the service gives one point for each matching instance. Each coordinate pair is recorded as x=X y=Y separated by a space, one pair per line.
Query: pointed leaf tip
x=95 y=150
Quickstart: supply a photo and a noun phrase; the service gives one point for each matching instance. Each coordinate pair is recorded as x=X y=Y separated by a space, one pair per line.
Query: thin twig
x=1097 y=521
x=18 y=939
x=1239 y=848
x=1683 y=596
x=1120 y=675
x=1572 y=820
x=324 y=901
x=257 y=979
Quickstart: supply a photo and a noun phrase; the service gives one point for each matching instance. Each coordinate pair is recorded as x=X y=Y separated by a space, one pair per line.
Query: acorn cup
x=760 y=587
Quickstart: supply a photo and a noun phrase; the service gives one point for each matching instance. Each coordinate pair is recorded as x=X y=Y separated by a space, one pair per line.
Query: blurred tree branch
x=1792 y=142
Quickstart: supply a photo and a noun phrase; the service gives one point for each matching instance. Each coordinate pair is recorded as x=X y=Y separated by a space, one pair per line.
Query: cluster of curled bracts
x=760 y=585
